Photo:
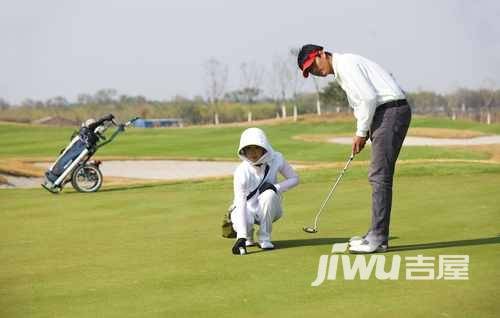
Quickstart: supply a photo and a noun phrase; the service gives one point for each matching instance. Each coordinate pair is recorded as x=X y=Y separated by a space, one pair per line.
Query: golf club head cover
x=267 y=186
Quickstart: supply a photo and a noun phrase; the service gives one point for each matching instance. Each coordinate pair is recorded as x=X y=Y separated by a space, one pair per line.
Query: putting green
x=156 y=251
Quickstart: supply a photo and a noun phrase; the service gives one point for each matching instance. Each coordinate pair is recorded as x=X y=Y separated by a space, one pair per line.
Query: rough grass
x=20 y=168
x=156 y=251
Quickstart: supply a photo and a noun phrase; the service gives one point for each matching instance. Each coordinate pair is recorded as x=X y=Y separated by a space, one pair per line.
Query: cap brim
x=306 y=67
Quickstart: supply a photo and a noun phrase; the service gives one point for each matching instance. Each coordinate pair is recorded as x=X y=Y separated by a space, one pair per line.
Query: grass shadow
x=433 y=245
x=132 y=187
x=124 y=188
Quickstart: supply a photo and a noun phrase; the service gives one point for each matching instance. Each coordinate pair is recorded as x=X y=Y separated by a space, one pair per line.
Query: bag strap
x=261 y=182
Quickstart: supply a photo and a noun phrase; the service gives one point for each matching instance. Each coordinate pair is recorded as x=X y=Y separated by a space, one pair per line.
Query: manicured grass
x=441 y=122
x=156 y=251
x=207 y=143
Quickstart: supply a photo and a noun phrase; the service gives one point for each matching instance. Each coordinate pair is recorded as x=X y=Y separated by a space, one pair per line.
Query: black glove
x=109 y=117
x=267 y=186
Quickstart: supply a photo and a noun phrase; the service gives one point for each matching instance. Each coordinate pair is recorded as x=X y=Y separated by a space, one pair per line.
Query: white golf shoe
x=266 y=245
x=366 y=247
x=356 y=240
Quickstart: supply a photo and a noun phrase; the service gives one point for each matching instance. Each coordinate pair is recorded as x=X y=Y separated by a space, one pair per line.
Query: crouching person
x=257 y=193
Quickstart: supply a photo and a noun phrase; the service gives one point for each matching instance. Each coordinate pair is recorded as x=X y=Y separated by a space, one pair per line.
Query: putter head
x=310 y=230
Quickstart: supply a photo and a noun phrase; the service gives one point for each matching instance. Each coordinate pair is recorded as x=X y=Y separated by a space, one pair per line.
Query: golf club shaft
x=331 y=191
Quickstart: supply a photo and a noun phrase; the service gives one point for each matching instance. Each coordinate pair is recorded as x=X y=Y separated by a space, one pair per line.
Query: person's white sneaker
x=266 y=245
x=366 y=247
x=356 y=240
x=250 y=241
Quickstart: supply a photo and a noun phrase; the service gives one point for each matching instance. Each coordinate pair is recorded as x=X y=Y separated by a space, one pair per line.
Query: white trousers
x=269 y=210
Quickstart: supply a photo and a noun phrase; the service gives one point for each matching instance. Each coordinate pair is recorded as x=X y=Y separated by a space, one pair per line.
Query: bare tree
x=251 y=80
x=216 y=74
x=58 y=101
x=282 y=81
x=29 y=102
x=4 y=104
x=318 y=99
x=296 y=76
x=105 y=96
x=488 y=97
x=84 y=98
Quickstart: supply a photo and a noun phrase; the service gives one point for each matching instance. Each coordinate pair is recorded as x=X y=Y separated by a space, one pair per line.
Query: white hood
x=255 y=136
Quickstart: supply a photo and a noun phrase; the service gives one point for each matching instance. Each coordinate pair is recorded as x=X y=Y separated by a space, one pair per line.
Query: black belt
x=394 y=103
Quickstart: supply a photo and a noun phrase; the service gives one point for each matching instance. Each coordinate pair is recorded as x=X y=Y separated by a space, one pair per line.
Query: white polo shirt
x=366 y=84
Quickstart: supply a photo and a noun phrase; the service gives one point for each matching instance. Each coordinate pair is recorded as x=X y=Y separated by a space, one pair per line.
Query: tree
x=216 y=74
x=251 y=80
x=297 y=80
x=4 y=104
x=133 y=100
x=84 y=99
x=281 y=80
x=429 y=102
x=287 y=79
x=58 y=101
x=318 y=92
x=334 y=95
x=488 y=97
x=105 y=96
x=247 y=95
x=28 y=102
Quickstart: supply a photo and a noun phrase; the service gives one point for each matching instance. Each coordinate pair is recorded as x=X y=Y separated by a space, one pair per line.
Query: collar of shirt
x=335 y=57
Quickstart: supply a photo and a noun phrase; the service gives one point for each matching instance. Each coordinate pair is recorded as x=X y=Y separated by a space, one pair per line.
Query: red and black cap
x=306 y=57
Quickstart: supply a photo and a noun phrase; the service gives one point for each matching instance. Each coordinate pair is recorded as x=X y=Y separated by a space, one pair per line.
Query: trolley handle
x=131 y=121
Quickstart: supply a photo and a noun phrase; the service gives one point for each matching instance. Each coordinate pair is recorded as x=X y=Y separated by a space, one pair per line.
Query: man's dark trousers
x=387 y=133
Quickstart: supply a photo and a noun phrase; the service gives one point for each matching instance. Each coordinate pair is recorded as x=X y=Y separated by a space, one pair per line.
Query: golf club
x=314 y=229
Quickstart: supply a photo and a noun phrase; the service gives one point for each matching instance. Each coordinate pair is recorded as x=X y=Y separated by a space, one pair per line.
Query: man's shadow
x=392 y=248
x=445 y=244
x=316 y=241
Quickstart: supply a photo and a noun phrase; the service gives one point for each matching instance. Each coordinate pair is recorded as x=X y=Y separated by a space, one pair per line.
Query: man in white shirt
x=382 y=114
x=257 y=193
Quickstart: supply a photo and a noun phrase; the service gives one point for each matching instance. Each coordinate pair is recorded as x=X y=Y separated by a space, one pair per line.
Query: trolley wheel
x=86 y=178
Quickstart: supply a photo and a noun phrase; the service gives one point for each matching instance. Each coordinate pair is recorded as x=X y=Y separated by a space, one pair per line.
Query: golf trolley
x=73 y=163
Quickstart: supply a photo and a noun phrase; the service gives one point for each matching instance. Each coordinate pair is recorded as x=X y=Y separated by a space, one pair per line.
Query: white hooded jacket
x=248 y=175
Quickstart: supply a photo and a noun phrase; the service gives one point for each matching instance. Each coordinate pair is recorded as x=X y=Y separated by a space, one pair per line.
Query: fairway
x=221 y=142
x=157 y=252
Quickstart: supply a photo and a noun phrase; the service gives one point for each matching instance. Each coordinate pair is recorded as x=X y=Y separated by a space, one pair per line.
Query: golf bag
x=72 y=164
x=72 y=154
